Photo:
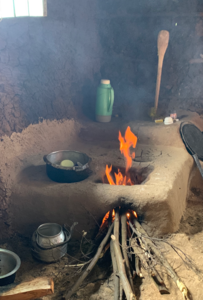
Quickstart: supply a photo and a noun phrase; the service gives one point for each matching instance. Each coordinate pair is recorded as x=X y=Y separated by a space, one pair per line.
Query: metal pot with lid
x=49 y=241
x=49 y=234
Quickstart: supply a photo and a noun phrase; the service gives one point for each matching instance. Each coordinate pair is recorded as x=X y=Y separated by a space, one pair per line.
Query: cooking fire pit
x=159 y=196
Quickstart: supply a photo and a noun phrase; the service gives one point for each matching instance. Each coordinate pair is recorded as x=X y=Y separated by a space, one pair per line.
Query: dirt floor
x=99 y=285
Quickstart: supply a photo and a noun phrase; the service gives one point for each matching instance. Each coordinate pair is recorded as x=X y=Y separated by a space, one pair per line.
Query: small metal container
x=46 y=254
x=9 y=265
x=49 y=234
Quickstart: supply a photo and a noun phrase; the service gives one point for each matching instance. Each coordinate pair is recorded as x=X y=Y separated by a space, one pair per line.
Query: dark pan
x=193 y=140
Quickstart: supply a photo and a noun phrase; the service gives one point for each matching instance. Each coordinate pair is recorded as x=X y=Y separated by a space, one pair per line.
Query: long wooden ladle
x=162 y=45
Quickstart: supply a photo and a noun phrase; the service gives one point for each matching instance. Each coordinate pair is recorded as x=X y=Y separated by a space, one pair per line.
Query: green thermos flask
x=104 y=102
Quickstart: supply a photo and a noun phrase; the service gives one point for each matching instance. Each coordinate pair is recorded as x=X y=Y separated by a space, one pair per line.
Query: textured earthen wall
x=50 y=67
x=47 y=65
x=128 y=35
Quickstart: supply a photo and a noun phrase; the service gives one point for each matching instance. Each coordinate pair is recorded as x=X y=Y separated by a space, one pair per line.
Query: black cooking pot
x=58 y=173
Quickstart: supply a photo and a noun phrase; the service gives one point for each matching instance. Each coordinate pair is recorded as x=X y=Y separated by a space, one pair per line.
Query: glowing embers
x=119 y=177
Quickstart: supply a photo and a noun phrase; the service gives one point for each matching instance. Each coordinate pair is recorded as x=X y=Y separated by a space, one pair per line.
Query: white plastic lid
x=168 y=121
x=105 y=81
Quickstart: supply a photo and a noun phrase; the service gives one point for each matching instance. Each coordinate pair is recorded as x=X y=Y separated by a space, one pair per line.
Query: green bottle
x=104 y=102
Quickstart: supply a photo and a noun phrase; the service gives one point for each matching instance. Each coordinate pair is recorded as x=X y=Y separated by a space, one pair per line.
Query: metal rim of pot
x=18 y=262
x=48 y=224
x=67 y=168
x=68 y=234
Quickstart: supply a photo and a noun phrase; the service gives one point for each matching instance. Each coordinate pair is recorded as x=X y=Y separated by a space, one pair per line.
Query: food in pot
x=67 y=163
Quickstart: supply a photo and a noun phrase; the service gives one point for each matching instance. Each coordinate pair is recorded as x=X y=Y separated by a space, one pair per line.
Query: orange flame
x=135 y=214
x=128 y=215
x=108 y=175
x=106 y=217
x=129 y=140
x=113 y=213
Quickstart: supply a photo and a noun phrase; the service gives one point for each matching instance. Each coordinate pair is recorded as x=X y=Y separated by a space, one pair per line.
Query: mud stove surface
x=160 y=198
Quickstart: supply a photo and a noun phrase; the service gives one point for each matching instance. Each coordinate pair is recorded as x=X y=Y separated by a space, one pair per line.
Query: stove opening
x=133 y=177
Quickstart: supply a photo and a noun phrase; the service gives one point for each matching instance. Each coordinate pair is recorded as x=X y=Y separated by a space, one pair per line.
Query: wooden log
x=136 y=258
x=124 y=245
x=157 y=280
x=137 y=266
x=116 y=234
x=29 y=290
x=116 y=275
x=141 y=254
x=116 y=224
x=121 y=268
x=91 y=265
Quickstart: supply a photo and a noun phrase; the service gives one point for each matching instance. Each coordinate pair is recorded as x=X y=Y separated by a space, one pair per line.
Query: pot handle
x=81 y=168
x=45 y=159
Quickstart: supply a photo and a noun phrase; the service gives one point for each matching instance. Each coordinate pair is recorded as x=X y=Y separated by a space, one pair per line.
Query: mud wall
x=128 y=33
x=47 y=64
x=50 y=67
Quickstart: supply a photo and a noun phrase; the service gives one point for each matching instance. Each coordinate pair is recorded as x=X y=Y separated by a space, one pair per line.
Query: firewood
x=121 y=268
x=124 y=245
x=32 y=289
x=115 y=270
x=142 y=256
x=143 y=234
x=139 y=253
x=137 y=259
x=116 y=234
x=157 y=280
x=137 y=266
x=91 y=265
x=116 y=224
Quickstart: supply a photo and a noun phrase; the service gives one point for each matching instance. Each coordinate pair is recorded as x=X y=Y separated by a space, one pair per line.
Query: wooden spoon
x=162 y=45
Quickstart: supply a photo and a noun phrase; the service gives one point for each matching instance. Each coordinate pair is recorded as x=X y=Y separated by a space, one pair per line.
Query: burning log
x=121 y=268
x=91 y=265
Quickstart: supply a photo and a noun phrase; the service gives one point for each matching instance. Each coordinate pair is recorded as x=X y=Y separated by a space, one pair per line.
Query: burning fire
x=110 y=215
x=129 y=140
x=107 y=216
x=135 y=214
